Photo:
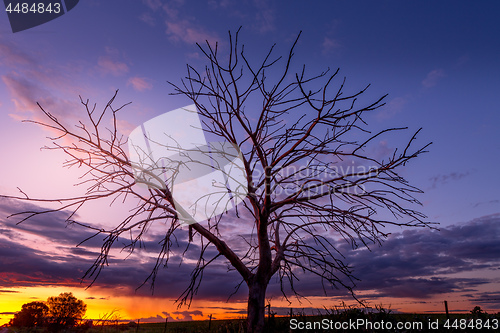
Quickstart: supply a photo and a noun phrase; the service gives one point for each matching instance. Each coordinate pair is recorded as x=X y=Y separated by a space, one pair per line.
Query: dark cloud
x=444 y=179
x=156 y=319
x=416 y=263
x=490 y=299
x=79 y=251
x=22 y=266
x=188 y=315
x=489 y=202
x=180 y=315
x=417 y=288
x=127 y=276
x=52 y=225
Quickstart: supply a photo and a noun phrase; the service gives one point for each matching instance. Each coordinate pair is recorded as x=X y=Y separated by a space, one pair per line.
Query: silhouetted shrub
x=32 y=314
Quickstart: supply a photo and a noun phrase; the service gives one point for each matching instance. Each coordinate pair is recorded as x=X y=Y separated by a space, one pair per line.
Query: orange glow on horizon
x=131 y=308
x=100 y=305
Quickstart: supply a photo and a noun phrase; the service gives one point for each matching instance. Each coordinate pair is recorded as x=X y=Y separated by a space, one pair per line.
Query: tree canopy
x=65 y=309
x=313 y=174
x=57 y=312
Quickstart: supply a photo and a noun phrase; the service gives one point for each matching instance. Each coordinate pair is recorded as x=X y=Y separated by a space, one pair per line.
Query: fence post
x=446 y=308
x=165 y=329
x=138 y=322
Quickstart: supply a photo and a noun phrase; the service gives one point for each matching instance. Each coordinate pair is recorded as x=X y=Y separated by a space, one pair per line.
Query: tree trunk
x=256 y=306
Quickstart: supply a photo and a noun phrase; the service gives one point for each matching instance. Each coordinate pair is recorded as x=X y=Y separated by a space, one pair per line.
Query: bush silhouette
x=65 y=310
x=32 y=314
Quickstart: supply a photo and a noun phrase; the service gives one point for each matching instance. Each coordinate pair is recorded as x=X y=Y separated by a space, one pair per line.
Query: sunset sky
x=438 y=61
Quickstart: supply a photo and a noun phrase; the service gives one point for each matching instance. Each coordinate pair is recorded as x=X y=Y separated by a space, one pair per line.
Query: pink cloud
x=148 y=19
x=330 y=45
x=193 y=55
x=25 y=93
x=139 y=83
x=33 y=69
x=153 y=4
x=124 y=127
x=186 y=32
x=393 y=107
x=112 y=62
x=33 y=79
x=433 y=77
x=13 y=56
x=264 y=19
x=17 y=117
x=109 y=66
x=184 y=29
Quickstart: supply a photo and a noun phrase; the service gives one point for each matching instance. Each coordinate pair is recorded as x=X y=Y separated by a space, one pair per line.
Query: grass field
x=348 y=321
x=343 y=323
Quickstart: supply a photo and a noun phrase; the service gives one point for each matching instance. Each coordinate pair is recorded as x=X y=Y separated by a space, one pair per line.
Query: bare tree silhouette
x=311 y=168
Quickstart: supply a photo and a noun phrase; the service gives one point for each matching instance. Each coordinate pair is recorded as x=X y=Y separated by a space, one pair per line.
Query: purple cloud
x=433 y=77
x=140 y=83
x=444 y=179
x=416 y=263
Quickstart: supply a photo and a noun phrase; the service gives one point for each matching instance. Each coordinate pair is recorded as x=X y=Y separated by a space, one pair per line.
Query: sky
x=437 y=61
